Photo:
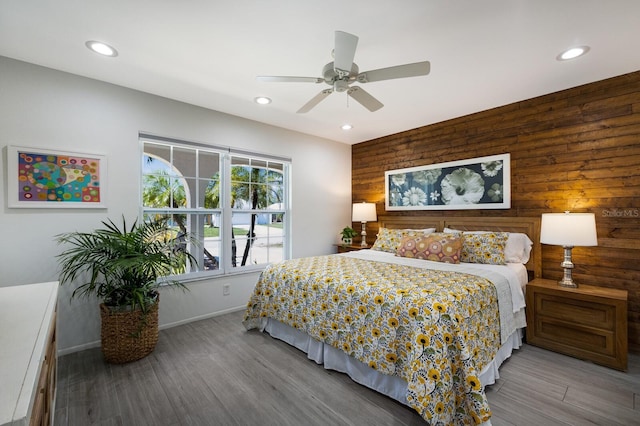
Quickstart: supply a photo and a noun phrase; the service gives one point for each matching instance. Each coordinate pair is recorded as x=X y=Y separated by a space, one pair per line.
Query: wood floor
x=213 y=372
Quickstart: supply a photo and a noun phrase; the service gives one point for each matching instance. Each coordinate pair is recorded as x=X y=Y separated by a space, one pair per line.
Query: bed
x=428 y=333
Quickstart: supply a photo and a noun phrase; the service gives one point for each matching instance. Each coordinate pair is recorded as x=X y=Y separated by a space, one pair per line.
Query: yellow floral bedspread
x=435 y=329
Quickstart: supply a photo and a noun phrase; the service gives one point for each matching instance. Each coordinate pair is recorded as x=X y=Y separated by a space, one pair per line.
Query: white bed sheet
x=393 y=386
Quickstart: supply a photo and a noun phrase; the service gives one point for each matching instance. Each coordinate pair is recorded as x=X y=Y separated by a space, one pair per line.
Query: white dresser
x=28 y=354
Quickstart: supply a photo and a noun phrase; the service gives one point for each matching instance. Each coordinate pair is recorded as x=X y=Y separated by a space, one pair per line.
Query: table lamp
x=364 y=212
x=568 y=230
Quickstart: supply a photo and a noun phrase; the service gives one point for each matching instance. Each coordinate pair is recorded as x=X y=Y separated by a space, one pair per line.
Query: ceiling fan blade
x=399 y=71
x=314 y=101
x=364 y=98
x=287 y=79
x=344 y=52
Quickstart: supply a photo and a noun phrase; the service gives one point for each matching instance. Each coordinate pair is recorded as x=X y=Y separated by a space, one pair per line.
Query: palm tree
x=261 y=187
x=268 y=184
x=256 y=185
x=162 y=190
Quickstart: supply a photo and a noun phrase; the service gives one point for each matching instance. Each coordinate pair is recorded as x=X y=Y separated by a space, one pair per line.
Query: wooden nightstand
x=585 y=322
x=352 y=247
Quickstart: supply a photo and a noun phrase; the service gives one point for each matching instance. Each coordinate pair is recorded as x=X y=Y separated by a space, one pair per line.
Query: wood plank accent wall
x=577 y=150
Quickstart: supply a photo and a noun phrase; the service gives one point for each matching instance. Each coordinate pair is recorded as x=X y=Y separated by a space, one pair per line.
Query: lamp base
x=567 y=283
x=567 y=265
x=363 y=243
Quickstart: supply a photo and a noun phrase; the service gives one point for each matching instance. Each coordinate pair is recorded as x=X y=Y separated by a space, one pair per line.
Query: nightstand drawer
x=573 y=335
x=587 y=313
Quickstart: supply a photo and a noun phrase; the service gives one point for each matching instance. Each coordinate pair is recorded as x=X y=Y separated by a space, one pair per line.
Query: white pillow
x=516 y=250
x=425 y=231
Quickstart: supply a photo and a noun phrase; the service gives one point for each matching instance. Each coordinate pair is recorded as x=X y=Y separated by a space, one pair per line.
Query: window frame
x=224 y=209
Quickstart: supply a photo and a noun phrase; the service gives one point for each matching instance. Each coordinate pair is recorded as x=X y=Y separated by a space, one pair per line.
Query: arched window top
x=162 y=184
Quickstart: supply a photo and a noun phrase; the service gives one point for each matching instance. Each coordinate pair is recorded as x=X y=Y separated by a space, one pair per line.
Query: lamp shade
x=568 y=229
x=364 y=212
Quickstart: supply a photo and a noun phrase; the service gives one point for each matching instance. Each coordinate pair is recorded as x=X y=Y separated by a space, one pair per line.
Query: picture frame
x=476 y=183
x=47 y=178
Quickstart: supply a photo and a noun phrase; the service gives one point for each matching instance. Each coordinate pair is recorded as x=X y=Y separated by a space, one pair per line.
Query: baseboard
x=96 y=344
x=202 y=317
x=83 y=347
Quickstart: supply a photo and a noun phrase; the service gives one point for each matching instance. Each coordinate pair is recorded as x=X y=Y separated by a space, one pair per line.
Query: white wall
x=40 y=107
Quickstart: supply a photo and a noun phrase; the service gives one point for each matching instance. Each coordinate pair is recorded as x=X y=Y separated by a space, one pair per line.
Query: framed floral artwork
x=47 y=178
x=477 y=183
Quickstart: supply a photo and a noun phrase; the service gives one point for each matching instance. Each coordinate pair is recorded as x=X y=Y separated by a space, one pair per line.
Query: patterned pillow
x=389 y=239
x=484 y=248
x=516 y=250
x=438 y=247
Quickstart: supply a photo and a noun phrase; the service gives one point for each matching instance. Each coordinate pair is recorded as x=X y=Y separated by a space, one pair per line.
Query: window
x=258 y=201
x=229 y=208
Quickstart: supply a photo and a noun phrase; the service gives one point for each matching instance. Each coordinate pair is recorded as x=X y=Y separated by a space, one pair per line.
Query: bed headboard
x=525 y=225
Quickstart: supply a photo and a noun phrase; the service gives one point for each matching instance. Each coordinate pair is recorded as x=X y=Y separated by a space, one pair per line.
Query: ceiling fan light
x=341 y=86
x=101 y=48
x=572 y=53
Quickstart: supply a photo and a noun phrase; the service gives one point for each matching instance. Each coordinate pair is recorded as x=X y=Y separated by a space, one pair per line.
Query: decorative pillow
x=389 y=239
x=438 y=247
x=517 y=249
x=484 y=248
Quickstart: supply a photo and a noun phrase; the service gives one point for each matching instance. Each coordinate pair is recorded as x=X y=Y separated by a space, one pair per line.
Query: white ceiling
x=483 y=53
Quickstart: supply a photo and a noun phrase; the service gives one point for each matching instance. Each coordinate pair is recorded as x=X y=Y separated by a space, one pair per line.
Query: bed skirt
x=392 y=386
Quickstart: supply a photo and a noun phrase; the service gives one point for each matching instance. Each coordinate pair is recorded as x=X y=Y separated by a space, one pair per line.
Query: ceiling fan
x=342 y=72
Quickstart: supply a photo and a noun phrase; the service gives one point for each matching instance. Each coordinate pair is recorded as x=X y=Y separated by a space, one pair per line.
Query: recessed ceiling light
x=347 y=127
x=101 y=48
x=572 y=53
x=262 y=100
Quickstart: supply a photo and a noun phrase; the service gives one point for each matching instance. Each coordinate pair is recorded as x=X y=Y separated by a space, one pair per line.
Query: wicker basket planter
x=128 y=335
x=124 y=266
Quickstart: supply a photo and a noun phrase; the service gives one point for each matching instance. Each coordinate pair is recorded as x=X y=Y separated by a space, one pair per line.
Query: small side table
x=586 y=322
x=343 y=248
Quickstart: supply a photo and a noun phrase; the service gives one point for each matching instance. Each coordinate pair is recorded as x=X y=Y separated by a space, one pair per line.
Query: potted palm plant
x=124 y=267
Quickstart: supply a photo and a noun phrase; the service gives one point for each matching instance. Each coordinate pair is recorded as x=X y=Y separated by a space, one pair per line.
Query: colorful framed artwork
x=477 y=183
x=47 y=178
